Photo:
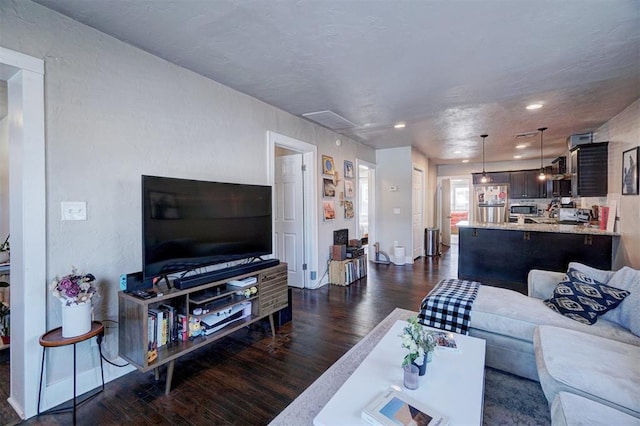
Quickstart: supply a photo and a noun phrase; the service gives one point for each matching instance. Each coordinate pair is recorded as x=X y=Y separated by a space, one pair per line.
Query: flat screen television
x=189 y=224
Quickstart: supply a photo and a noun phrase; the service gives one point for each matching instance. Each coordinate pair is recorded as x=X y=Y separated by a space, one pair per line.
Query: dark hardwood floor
x=249 y=377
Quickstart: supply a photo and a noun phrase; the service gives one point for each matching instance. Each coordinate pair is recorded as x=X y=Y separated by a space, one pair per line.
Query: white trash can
x=399 y=255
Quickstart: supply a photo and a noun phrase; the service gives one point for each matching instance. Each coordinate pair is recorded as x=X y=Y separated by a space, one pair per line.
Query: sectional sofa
x=526 y=337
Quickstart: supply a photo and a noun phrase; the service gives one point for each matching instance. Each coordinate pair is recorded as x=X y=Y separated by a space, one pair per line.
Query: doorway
x=366 y=204
x=454 y=206
x=291 y=173
x=417 y=214
x=27 y=211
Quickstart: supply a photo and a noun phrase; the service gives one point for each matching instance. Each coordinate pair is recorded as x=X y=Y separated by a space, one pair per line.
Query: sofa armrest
x=541 y=283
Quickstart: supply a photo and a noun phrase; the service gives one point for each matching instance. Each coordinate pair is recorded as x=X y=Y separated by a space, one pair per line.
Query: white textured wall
x=114 y=113
x=623 y=133
x=393 y=168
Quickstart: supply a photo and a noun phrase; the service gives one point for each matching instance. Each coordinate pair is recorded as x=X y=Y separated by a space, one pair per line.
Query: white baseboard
x=62 y=391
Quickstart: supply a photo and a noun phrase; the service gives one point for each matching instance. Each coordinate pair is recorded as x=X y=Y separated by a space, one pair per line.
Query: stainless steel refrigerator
x=491 y=203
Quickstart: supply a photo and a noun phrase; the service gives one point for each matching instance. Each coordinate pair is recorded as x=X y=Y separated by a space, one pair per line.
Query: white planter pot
x=76 y=319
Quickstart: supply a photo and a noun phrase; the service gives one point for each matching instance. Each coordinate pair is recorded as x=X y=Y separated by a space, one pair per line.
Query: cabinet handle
x=474 y=233
x=588 y=240
x=527 y=236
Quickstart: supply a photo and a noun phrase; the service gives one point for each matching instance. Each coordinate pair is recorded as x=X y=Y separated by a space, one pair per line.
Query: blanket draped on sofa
x=448 y=305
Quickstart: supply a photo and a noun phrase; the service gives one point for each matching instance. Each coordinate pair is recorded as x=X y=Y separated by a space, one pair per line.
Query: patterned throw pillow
x=583 y=299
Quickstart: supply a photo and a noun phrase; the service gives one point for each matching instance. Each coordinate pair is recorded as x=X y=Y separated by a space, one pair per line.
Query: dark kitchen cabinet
x=525 y=184
x=589 y=172
x=493 y=177
x=504 y=257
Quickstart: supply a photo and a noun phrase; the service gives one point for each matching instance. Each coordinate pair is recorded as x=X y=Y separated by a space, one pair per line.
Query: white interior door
x=417 y=216
x=289 y=216
x=445 y=211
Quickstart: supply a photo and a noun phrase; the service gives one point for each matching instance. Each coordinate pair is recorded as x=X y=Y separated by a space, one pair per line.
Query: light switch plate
x=74 y=210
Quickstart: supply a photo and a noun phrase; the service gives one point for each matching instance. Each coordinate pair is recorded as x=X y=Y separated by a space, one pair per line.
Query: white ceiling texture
x=451 y=70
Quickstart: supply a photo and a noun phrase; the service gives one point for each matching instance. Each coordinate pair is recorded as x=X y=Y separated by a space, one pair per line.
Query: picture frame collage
x=330 y=189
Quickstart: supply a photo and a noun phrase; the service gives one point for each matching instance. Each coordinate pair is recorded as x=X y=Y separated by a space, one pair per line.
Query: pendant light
x=484 y=178
x=542 y=175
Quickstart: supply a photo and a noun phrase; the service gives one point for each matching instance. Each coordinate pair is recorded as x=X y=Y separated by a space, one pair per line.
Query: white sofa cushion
x=568 y=409
x=594 y=367
x=513 y=314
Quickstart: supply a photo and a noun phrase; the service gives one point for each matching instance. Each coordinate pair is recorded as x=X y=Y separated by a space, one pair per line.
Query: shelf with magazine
x=345 y=272
x=156 y=331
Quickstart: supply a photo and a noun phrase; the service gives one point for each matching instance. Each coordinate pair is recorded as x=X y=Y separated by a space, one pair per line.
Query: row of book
x=166 y=325
x=356 y=269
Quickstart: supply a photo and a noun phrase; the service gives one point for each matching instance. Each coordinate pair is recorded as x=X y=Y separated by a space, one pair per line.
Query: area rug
x=508 y=399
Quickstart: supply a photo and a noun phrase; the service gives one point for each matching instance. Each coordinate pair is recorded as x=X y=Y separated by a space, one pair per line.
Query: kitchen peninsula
x=502 y=254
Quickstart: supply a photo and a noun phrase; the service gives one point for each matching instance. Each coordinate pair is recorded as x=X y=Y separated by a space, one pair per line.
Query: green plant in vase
x=419 y=341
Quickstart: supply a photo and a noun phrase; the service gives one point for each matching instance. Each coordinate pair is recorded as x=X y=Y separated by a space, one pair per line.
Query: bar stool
x=54 y=339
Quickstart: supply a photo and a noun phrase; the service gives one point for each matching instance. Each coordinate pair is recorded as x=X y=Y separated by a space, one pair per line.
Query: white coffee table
x=453 y=385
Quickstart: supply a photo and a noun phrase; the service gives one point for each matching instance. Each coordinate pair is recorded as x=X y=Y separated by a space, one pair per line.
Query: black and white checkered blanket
x=448 y=305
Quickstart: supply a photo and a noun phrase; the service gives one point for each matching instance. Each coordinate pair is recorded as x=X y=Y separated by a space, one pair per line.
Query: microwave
x=524 y=209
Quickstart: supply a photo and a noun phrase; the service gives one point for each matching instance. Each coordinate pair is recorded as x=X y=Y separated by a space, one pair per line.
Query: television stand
x=135 y=333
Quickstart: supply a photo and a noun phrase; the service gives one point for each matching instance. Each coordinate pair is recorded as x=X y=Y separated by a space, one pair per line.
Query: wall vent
x=525 y=135
x=329 y=119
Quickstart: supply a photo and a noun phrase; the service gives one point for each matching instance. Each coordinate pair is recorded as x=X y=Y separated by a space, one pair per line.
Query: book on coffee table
x=446 y=340
x=393 y=408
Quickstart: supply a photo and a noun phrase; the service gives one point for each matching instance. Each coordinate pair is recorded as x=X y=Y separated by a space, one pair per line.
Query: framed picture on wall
x=327 y=165
x=328 y=210
x=348 y=169
x=348 y=188
x=630 y=171
x=328 y=187
x=348 y=209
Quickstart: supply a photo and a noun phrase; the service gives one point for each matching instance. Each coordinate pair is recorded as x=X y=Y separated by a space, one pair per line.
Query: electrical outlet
x=74 y=210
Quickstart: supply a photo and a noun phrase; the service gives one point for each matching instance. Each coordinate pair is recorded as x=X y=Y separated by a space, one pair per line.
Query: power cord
x=99 y=341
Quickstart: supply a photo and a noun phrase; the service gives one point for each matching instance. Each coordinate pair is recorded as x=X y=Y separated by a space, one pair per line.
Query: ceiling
x=450 y=70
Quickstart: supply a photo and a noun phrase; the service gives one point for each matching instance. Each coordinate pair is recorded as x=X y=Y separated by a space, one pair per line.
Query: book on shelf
x=172 y=332
x=159 y=315
x=393 y=408
x=151 y=328
x=183 y=327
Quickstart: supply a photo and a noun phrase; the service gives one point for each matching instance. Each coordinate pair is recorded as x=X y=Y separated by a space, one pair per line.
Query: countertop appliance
x=567 y=215
x=527 y=211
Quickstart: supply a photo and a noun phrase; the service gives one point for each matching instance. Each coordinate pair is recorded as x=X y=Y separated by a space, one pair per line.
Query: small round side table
x=54 y=339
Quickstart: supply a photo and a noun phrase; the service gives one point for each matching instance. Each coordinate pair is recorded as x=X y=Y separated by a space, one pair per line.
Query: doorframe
x=27 y=215
x=309 y=193
x=372 y=203
x=423 y=199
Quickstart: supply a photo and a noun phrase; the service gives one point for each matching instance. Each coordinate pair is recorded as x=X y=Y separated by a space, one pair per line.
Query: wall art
x=327 y=165
x=348 y=210
x=349 y=192
x=329 y=188
x=630 y=171
x=328 y=210
x=348 y=169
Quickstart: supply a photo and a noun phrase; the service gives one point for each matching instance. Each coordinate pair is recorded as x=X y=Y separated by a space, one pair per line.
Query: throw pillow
x=583 y=299
x=628 y=313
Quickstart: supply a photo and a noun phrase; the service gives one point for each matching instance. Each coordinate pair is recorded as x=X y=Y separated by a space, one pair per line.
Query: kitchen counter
x=539 y=227
x=502 y=254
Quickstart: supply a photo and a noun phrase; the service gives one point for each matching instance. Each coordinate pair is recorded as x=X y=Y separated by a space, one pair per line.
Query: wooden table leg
x=167 y=388
x=273 y=327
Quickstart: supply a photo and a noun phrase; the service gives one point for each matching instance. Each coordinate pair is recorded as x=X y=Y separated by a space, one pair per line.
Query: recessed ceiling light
x=457 y=151
x=521 y=146
x=465 y=161
x=517 y=157
x=534 y=106
x=399 y=126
